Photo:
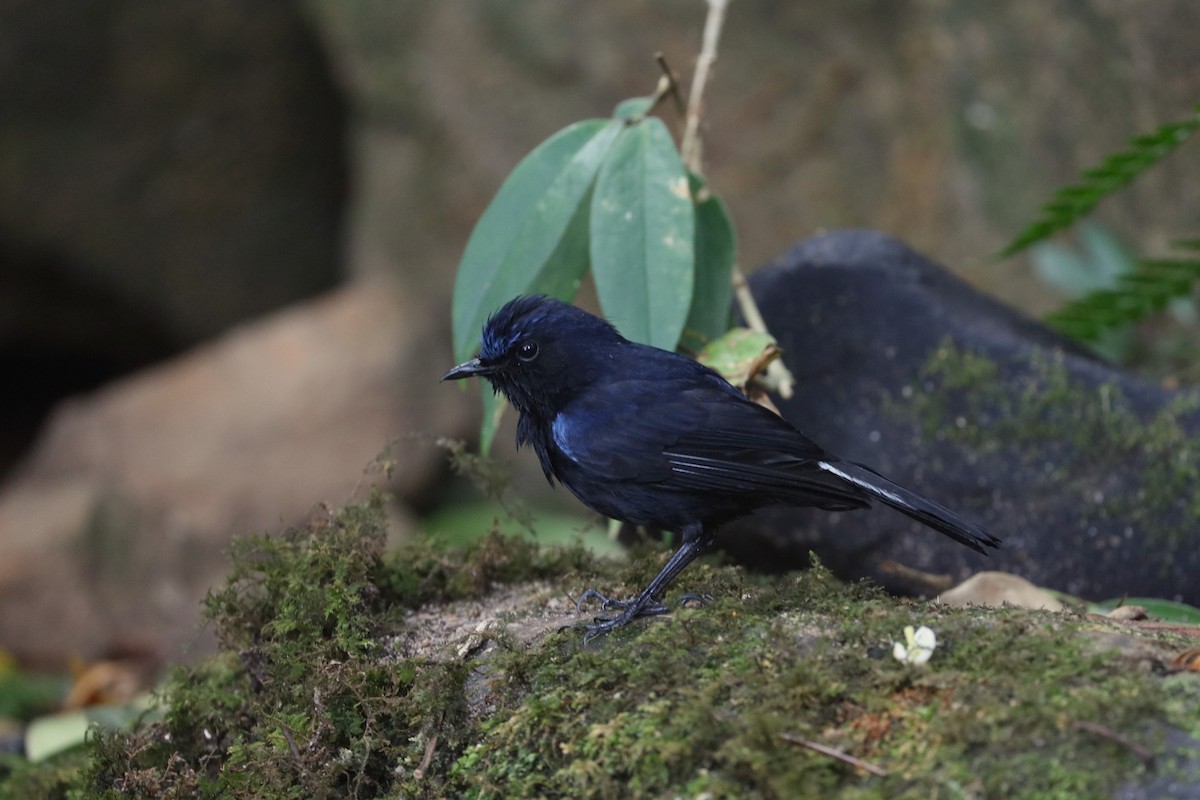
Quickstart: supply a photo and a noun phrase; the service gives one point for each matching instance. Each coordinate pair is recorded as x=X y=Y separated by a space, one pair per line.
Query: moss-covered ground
x=330 y=684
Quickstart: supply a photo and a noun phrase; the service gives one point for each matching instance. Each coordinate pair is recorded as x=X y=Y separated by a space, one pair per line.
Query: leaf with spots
x=642 y=240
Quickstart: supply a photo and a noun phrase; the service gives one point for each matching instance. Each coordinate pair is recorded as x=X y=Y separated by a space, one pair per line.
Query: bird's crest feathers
x=530 y=316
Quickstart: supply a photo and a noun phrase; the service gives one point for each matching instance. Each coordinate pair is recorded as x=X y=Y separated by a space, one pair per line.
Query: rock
x=1084 y=470
x=187 y=158
x=1175 y=770
x=115 y=526
x=169 y=170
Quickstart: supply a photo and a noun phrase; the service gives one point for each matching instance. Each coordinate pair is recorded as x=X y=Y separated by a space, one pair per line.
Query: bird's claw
x=645 y=609
x=605 y=601
x=700 y=600
x=630 y=610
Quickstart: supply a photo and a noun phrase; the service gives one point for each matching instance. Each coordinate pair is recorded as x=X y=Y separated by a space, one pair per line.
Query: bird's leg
x=696 y=542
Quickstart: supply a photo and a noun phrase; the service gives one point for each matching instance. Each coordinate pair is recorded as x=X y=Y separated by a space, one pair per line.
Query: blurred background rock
x=172 y=175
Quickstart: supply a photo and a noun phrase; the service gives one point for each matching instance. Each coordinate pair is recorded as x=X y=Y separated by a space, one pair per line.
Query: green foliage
x=1095 y=264
x=1153 y=283
x=24 y=696
x=1072 y=203
x=1148 y=288
x=1156 y=607
x=716 y=252
x=612 y=194
x=52 y=780
x=462 y=523
x=530 y=238
x=642 y=236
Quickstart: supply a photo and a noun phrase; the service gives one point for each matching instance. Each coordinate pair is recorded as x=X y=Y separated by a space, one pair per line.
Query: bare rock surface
x=115 y=526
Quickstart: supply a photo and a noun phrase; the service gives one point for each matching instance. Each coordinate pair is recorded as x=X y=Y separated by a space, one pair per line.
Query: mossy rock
x=428 y=672
x=1090 y=474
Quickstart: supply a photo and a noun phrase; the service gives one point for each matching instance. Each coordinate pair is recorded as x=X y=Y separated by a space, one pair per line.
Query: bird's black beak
x=469 y=369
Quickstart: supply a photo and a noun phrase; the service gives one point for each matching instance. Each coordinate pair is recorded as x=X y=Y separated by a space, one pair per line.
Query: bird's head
x=539 y=351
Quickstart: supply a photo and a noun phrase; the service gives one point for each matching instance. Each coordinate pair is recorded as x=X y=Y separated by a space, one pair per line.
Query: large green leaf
x=633 y=109
x=716 y=250
x=573 y=250
x=521 y=243
x=642 y=236
x=494 y=406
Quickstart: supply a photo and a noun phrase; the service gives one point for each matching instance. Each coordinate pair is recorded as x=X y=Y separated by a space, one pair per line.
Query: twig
x=1145 y=755
x=427 y=759
x=692 y=151
x=691 y=148
x=937 y=581
x=287 y=734
x=826 y=750
x=671 y=83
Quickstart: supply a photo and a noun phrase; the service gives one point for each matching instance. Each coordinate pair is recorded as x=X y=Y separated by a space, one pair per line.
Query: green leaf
x=1072 y=202
x=642 y=236
x=572 y=249
x=527 y=241
x=716 y=251
x=49 y=735
x=462 y=523
x=1149 y=288
x=1168 y=610
x=493 y=411
x=739 y=354
x=633 y=109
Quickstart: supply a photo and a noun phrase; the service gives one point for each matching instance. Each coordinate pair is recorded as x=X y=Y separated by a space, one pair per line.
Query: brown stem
x=826 y=750
x=691 y=148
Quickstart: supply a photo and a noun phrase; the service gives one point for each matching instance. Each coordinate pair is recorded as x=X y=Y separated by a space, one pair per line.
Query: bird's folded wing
x=700 y=438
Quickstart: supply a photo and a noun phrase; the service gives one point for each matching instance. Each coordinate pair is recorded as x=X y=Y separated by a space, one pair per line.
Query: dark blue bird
x=654 y=438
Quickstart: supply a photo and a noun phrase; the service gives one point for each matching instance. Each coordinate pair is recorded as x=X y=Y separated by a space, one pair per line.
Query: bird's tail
x=935 y=515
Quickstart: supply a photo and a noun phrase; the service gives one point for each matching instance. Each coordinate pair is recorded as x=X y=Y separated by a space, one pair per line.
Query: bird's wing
x=698 y=436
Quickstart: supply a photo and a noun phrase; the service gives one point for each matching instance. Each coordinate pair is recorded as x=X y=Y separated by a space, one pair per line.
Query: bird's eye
x=527 y=351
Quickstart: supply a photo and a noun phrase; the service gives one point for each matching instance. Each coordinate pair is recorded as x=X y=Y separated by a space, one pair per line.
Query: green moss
x=54 y=779
x=1066 y=429
x=431 y=572
x=313 y=696
x=704 y=702
x=1182 y=700
x=306 y=700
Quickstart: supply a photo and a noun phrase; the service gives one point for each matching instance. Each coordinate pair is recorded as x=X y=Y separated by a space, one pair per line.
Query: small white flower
x=918 y=647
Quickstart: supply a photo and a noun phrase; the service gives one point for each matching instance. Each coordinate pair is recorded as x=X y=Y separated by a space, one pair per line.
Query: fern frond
x=1153 y=284
x=1072 y=202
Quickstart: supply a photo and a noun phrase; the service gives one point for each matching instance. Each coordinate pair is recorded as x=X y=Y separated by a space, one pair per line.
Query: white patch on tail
x=870 y=487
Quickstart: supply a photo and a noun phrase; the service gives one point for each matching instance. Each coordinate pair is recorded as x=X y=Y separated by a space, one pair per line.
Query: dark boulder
x=1087 y=472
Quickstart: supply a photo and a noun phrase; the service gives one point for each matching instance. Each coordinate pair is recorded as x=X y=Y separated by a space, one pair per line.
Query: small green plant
x=615 y=196
x=1150 y=284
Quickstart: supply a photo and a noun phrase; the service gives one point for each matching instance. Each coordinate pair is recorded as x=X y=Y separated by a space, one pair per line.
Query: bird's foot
x=648 y=608
x=630 y=610
x=698 y=600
